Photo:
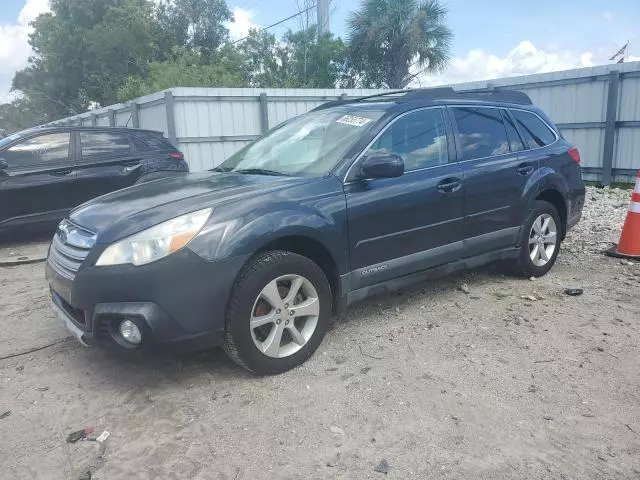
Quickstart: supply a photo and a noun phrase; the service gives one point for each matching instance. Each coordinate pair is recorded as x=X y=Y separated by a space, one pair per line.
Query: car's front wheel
x=278 y=312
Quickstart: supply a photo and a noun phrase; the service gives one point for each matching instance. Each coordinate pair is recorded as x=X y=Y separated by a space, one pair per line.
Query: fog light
x=130 y=332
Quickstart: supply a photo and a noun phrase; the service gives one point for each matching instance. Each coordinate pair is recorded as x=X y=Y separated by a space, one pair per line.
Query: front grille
x=70 y=246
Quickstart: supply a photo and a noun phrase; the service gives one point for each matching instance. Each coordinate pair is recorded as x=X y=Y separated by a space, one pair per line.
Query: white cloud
x=608 y=16
x=241 y=24
x=524 y=59
x=14 y=44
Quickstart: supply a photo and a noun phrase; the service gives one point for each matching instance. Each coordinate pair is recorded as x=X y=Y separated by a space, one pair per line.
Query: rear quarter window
x=536 y=133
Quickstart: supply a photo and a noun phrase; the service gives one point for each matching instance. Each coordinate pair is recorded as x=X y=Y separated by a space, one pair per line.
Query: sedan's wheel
x=278 y=312
x=543 y=240
x=539 y=241
x=285 y=316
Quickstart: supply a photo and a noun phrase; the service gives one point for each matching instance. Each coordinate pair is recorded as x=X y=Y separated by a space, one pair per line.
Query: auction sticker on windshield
x=353 y=120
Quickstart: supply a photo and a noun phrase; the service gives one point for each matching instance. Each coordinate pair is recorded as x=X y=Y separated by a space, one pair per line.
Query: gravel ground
x=435 y=382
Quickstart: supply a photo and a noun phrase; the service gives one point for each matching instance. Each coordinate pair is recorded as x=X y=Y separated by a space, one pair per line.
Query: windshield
x=309 y=145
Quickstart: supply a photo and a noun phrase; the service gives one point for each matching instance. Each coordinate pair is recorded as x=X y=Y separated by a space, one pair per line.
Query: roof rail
x=441 y=93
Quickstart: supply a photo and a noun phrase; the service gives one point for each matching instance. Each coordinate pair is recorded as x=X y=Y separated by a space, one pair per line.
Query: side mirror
x=3 y=164
x=383 y=166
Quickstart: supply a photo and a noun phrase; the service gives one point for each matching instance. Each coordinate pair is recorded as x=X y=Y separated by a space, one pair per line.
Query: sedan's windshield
x=310 y=145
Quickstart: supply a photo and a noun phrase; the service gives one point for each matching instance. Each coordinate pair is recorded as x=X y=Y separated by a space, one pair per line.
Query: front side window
x=49 y=149
x=309 y=145
x=481 y=132
x=96 y=144
x=419 y=138
x=536 y=133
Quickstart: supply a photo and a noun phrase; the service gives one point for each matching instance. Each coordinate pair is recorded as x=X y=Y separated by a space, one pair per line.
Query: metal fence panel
x=210 y=124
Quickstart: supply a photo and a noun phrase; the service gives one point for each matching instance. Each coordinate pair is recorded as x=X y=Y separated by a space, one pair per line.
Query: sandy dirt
x=437 y=382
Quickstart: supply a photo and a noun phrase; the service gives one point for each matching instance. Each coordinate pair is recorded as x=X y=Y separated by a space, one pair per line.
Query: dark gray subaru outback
x=349 y=200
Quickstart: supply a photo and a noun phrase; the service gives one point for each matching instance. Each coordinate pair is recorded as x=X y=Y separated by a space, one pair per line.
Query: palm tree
x=387 y=38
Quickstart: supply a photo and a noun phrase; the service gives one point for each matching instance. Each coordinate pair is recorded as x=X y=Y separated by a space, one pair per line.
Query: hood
x=135 y=208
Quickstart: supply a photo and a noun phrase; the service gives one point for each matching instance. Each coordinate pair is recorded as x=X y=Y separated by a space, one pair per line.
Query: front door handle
x=449 y=185
x=525 y=169
x=131 y=168
x=62 y=173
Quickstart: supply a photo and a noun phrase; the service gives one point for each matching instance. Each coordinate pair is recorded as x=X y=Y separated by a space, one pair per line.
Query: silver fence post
x=264 y=112
x=94 y=119
x=135 y=119
x=169 y=105
x=112 y=118
x=610 y=127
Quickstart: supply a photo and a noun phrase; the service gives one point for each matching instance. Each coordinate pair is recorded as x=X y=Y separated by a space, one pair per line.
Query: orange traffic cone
x=629 y=244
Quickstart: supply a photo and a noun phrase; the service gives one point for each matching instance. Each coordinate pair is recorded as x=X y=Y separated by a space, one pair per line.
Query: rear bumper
x=177 y=302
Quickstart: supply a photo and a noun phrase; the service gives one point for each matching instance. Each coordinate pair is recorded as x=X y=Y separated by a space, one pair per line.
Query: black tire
x=523 y=265
x=262 y=269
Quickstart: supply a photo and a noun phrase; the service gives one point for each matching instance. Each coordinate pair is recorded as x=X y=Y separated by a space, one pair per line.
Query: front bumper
x=179 y=301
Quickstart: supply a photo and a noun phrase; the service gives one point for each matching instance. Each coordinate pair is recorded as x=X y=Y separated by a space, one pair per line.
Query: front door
x=107 y=161
x=498 y=182
x=402 y=225
x=37 y=180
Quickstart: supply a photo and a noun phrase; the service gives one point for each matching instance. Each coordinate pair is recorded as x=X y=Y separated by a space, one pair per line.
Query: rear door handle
x=525 y=169
x=62 y=173
x=449 y=185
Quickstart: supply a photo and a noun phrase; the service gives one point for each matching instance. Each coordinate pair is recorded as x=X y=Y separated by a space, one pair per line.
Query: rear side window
x=419 y=138
x=49 y=149
x=515 y=142
x=481 y=132
x=95 y=144
x=536 y=132
x=154 y=141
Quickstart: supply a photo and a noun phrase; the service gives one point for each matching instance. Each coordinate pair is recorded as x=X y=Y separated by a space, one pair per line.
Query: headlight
x=155 y=242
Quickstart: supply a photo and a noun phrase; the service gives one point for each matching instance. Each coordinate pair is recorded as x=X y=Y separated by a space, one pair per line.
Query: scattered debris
x=531 y=298
x=631 y=429
x=369 y=355
x=42 y=388
x=5 y=414
x=627 y=262
x=336 y=430
x=340 y=359
x=333 y=461
x=346 y=376
x=73 y=437
x=600 y=349
x=464 y=288
x=20 y=368
x=574 y=292
x=533 y=279
x=382 y=467
x=501 y=294
x=532 y=389
x=365 y=370
x=517 y=320
x=546 y=361
x=86 y=475
x=588 y=415
x=547 y=417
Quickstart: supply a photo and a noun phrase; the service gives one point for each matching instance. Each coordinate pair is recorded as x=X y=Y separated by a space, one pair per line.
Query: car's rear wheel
x=278 y=312
x=539 y=241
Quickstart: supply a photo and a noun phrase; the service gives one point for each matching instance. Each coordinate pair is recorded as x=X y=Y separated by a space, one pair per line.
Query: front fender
x=324 y=222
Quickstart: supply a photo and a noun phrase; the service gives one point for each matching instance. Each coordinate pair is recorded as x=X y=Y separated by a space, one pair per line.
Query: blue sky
x=492 y=39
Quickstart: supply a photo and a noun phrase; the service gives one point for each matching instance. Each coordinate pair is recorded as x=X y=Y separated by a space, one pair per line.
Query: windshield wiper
x=261 y=171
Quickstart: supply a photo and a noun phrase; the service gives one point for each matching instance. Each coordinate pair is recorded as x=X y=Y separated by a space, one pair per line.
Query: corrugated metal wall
x=210 y=124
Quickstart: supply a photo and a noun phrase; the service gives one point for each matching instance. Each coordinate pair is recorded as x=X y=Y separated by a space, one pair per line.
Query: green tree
x=389 y=37
x=193 y=24
x=186 y=68
x=18 y=115
x=83 y=52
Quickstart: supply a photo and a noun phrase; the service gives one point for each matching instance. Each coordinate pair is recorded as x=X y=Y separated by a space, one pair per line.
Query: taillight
x=574 y=154
x=176 y=155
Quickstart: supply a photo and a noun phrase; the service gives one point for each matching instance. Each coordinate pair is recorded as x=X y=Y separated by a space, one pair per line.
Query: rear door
x=402 y=225
x=38 y=181
x=498 y=183
x=106 y=161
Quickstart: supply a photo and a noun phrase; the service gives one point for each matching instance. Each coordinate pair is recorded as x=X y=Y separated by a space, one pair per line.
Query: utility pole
x=323 y=16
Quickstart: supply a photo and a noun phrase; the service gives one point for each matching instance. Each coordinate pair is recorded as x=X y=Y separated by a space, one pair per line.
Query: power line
x=276 y=24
